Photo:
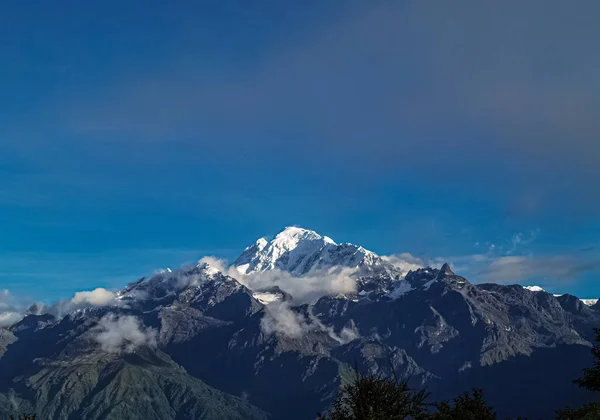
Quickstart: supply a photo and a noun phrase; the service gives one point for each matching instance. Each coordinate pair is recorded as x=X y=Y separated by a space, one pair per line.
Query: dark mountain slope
x=67 y=375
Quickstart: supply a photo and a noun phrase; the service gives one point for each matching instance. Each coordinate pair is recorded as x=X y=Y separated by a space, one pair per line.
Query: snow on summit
x=298 y=251
x=534 y=288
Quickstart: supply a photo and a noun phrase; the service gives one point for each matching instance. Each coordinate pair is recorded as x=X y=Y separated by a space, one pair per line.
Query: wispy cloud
x=554 y=268
x=123 y=334
x=522 y=239
x=515 y=263
x=492 y=79
x=282 y=319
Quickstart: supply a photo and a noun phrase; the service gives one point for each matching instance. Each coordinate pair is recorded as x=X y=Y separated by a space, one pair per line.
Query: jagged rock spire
x=446 y=270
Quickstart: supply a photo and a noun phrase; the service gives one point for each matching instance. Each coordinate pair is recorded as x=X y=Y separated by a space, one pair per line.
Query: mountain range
x=277 y=333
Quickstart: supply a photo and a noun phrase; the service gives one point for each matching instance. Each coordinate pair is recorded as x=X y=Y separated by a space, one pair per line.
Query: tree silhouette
x=587 y=412
x=24 y=417
x=371 y=397
x=590 y=381
x=591 y=376
x=465 y=407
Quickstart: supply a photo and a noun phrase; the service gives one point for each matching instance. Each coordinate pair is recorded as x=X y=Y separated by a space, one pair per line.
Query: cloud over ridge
x=123 y=333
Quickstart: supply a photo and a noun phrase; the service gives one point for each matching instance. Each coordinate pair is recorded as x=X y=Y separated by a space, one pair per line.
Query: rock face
x=6 y=338
x=195 y=343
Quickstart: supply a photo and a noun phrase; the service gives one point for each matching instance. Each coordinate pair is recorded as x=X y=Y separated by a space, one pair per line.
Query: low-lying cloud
x=96 y=297
x=305 y=289
x=282 y=319
x=123 y=334
x=316 y=283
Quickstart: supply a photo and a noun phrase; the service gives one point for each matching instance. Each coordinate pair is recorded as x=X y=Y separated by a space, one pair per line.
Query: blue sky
x=138 y=135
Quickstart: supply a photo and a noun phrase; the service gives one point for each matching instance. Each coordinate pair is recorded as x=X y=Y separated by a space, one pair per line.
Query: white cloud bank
x=304 y=289
x=316 y=283
x=123 y=334
x=308 y=288
x=96 y=297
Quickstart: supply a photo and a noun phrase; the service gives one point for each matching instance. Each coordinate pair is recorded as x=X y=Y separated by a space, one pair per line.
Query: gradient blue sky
x=138 y=135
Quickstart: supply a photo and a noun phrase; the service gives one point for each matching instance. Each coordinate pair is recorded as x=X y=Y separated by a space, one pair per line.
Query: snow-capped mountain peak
x=296 y=239
x=300 y=251
x=534 y=288
x=261 y=243
x=287 y=251
x=291 y=236
x=207 y=269
x=172 y=282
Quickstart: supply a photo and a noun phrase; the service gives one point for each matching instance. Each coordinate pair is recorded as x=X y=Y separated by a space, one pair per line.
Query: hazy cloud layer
x=497 y=102
x=552 y=269
x=123 y=334
x=517 y=84
x=514 y=262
